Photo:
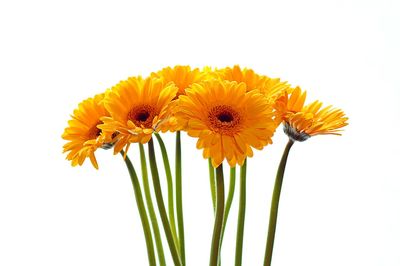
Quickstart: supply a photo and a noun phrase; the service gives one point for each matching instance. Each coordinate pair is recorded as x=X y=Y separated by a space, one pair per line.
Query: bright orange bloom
x=82 y=133
x=227 y=120
x=271 y=88
x=181 y=76
x=136 y=108
x=302 y=122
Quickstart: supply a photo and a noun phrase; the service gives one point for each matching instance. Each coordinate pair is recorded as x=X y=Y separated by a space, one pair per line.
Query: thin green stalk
x=161 y=205
x=228 y=203
x=229 y=198
x=275 y=205
x=150 y=206
x=241 y=215
x=179 y=208
x=142 y=211
x=211 y=171
x=219 y=217
x=170 y=186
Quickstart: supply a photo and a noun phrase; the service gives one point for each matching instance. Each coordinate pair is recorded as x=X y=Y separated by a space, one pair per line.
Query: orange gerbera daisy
x=272 y=88
x=302 y=122
x=136 y=107
x=227 y=120
x=82 y=133
x=181 y=76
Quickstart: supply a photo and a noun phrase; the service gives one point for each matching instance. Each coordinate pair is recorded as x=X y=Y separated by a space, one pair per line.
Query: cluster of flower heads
x=230 y=111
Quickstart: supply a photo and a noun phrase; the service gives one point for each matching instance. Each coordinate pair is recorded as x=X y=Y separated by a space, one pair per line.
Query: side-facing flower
x=182 y=77
x=227 y=120
x=302 y=122
x=270 y=87
x=136 y=107
x=82 y=133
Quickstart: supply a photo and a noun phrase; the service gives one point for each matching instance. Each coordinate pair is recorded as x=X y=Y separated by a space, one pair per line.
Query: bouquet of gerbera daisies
x=230 y=111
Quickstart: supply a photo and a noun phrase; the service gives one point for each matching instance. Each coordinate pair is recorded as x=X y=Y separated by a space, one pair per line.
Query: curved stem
x=211 y=171
x=170 y=186
x=229 y=198
x=142 y=210
x=219 y=217
x=275 y=205
x=241 y=215
x=161 y=205
x=150 y=206
x=179 y=207
x=228 y=203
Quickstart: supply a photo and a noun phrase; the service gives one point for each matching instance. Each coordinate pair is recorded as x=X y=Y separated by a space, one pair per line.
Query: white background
x=340 y=202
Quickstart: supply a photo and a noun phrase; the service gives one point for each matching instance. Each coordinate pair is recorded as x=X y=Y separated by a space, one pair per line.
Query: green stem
x=150 y=206
x=179 y=208
x=228 y=203
x=211 y=171
x=219 y=217
x=241 y=215
x=161 y=206
x=229 y=198
x=275 y=204
x=170 y=186
x=142 y=211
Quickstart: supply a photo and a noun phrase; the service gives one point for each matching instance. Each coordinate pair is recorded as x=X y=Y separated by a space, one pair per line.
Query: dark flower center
x=94 y=131
x=224 y=119
x=142 y=115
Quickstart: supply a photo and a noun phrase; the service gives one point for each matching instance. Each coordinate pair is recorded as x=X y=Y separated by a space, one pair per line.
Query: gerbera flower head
x=82 y=133
x=181 y=76
x=227 y=120
x=136 y=107
x=270 y=87
x=303 y=121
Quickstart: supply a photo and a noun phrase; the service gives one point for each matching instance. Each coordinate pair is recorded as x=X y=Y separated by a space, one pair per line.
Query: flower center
x=94 y=132
x=224 y=119
x=142 y=115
